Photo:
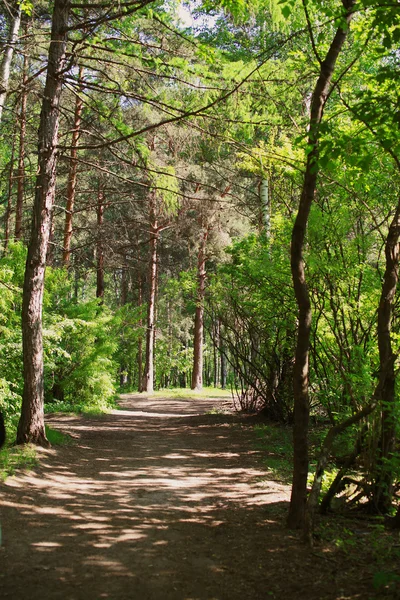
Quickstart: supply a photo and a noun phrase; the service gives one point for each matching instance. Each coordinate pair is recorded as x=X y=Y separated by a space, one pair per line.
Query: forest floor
x=166 y=499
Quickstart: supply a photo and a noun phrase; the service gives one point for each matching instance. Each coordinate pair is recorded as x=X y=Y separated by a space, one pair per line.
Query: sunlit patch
x=161 y=543
x=47 y=545
x=112 y=566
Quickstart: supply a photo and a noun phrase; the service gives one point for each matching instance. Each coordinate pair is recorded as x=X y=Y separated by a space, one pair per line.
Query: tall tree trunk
x=31 y=423
x=124 y=282
x=197 y=373
x=301 y=367
x=123 y=369
x=140 y=340
x=223 y=357
x=100 y=245
x=5 y=66
x=216 y=353
x=21 y=159
x=168 y=377
x=148 y=376
x=7 y=216
x=383 y=486
x=72 y=176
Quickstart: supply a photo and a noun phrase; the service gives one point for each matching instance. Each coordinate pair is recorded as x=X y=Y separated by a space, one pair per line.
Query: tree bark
x=301 y=367
x=72 y=176
x=222 y=356
x=124 y=283
x=148 y=376
x=383 y=485
x=124 y=367
x=216 y=343
x=140 y=340
x=100 y=246
x=21 y=159
x=7 y=216
x=5 y=66
x=197 y=373
x=2 y=430
x=31 y=424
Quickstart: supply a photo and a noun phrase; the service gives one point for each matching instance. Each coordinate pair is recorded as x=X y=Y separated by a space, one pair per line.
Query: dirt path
x=157 y=501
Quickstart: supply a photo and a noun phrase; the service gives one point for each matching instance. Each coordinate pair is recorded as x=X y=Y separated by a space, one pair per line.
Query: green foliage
x=79 y=351
x=250 y=296
x=26 y=7
x=11 y=278
x=168 y=188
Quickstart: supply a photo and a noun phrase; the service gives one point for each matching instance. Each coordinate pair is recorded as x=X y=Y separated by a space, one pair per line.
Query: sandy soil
x=162 y=501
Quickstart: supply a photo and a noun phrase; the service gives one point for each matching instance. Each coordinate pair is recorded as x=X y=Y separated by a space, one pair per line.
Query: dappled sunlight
x=138 y=492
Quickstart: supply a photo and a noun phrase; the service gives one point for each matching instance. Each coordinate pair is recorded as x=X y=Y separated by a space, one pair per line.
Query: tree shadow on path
x=155 y=501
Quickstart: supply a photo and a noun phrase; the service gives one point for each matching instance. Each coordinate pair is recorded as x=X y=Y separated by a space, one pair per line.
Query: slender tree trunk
x=383 y=487
x=168 y=377
x=123 y=370
x=124 y=283
x=140 y=340
x=265 y=207
x=100 y=246
x=216 y=353
x=21 y=159
x=5 y=66
x=197 y=373
x=223 y=358
x=7 y=216
x=301 y=367
x=31 y=424
x=148 y=376
x=72 y=176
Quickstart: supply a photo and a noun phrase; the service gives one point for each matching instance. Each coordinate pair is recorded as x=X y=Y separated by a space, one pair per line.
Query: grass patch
x=14 y=458
x=182 y=393
x=57 y=438
x=24 y=457
x=276 y=443
x=215 y=411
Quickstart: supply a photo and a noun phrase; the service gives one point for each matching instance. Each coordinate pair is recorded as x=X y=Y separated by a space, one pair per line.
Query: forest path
x=156 y=501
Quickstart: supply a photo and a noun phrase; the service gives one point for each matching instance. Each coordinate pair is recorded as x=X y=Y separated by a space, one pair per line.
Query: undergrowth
x=367 y=539
x=276 y=443
x=359 y=537
x=98 y=408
